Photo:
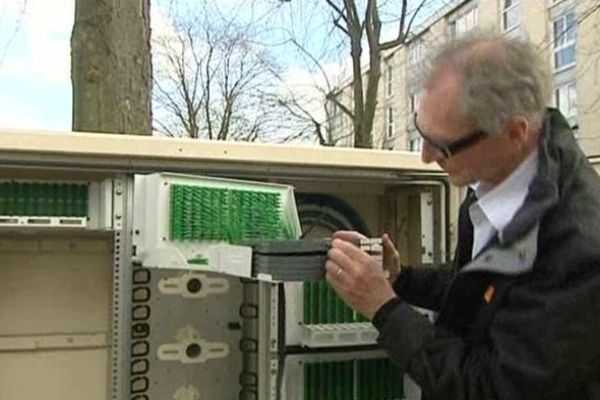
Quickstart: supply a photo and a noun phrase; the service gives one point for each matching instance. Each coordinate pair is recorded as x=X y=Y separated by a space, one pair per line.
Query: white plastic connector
x=334 y=335
x=43 y=222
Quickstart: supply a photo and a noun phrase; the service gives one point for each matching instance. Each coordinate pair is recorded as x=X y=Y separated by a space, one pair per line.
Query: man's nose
x=430 y=154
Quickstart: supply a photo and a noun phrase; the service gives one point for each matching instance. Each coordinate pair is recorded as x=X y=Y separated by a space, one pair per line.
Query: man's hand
x=356 y=277
x=391 y=257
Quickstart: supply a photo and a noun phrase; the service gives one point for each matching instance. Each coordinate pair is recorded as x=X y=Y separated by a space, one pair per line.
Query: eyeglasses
x=450 y=149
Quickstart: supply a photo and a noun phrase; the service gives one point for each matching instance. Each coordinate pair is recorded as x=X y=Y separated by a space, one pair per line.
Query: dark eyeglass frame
x=450 y=149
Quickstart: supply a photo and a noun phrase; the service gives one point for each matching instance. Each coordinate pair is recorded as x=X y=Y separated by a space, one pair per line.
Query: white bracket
x=193 y=285
x=213 y=257
x=190 y=348
x=427 y=227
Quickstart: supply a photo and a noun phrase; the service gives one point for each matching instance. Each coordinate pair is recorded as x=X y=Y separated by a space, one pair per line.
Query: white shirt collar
x=501 y=203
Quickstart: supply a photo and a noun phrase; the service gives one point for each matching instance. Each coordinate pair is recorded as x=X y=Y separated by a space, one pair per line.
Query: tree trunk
x=373 y=28
x=358 y=120
x=373 y=79
x=111 y=70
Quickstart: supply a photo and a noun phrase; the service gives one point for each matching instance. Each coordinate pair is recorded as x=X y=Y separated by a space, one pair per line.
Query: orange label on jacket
x=489 y=294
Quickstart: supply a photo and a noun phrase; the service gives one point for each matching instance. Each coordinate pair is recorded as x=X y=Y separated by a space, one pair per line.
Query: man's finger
x=391 y=258
x=336 y=283
x=388 y=247
x=350 y=236
x=348 y=256
x=341 y=258
x=332 y=268
x=351 y=251
x=335 y=275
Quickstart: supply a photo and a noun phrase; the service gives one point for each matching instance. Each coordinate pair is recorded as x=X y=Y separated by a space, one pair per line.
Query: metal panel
x=55 y=296
x=427 y=228
x=185 y=325
x=268 y=341
x=54 y=375
x=53 y=285
x=121 y=217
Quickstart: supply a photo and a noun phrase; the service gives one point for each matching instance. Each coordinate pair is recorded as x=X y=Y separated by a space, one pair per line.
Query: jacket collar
x=557 y=152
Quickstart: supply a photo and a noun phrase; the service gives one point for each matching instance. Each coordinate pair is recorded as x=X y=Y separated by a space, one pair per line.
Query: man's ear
x=518 y=129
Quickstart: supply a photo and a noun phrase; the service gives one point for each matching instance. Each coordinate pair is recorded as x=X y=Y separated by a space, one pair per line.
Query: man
x=519 y=312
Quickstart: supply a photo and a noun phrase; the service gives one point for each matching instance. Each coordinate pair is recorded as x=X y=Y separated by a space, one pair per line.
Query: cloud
x=40 y=51
x=161 y=23
x=35 y=72
x=35 y=75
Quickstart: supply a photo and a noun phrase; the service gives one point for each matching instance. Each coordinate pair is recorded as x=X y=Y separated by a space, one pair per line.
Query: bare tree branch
x=15 y=31
x=213 y=81
x=332 y=97
x=365 y=85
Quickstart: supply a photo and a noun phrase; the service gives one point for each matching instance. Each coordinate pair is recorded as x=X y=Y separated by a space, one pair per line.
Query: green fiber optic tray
x=44 y=204
x=195 y=222
x=367 y=379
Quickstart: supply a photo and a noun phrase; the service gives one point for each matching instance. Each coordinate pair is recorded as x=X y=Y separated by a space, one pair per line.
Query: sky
x=35 y=86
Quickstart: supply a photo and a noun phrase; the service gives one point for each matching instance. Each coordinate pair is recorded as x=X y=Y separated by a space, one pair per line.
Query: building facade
x=566 y=32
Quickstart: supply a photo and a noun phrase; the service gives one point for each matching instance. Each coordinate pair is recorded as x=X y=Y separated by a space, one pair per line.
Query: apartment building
x=567 y=32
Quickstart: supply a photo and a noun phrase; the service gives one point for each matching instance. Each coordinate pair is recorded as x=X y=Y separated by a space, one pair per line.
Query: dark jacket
x=538 y=336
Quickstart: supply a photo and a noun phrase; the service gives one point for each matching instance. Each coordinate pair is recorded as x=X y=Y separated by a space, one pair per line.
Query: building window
x=390 y=77
x=390 y=123
x=416 y=52
x=415 y=144
x=566 y=100
x=463 y=24
x=336 y=118
x=510 y=15
x=414 y=99
x=564 y=41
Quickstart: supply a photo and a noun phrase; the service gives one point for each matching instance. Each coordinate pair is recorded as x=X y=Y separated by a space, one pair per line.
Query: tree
x=111 y=66
x=213 y=80
x=5 y=10
x=302 y=106
x=347 y=18
x=306 y=122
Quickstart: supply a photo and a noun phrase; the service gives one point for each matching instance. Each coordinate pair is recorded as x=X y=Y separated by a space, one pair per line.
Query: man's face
x=440 y=121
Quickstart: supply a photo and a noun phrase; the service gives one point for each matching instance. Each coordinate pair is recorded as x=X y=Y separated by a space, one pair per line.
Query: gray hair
x=502 y=78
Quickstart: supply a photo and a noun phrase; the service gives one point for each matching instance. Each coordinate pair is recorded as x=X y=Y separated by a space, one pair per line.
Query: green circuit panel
x=43 y=199
x=378 y=379
x=323 y=306
x=212 y=213
x=329 y=380
x=369 y=379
